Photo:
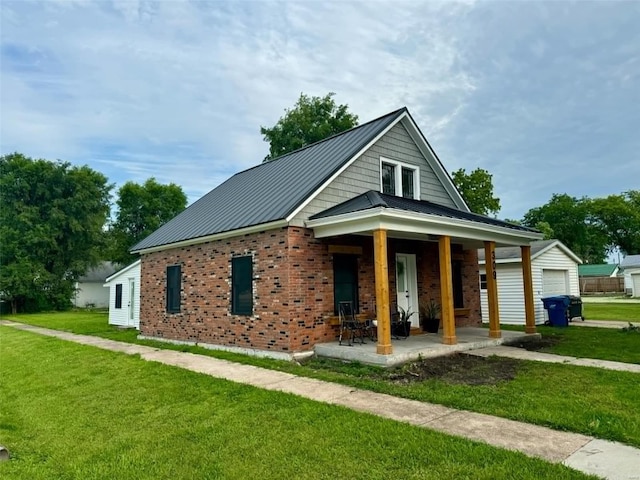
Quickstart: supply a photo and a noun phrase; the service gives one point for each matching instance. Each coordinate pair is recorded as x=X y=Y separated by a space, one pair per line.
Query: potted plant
x=403 y=325
x=430 y=316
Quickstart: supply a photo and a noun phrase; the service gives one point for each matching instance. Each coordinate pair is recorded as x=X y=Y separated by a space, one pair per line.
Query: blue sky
x=544 y=95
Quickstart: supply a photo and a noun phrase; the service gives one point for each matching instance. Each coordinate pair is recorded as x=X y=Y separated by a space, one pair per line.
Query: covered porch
x=386 y=218
x=417 y=346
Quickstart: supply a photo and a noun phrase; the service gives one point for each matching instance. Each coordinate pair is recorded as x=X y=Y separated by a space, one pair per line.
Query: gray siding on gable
x=364 y=174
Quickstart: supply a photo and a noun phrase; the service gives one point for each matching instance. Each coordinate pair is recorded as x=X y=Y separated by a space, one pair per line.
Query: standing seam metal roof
x=269 y=191
x=372 y=199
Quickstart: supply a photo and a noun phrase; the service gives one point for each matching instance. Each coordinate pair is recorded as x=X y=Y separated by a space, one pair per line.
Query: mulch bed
x=457 y=369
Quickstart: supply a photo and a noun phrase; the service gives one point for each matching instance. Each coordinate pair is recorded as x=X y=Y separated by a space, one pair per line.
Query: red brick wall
x=292 y=289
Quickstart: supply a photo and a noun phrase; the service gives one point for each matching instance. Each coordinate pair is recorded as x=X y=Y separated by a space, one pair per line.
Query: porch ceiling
x=419 y=226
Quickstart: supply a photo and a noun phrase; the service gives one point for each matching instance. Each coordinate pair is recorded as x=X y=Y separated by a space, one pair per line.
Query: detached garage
x=631 y=269
x=124 y=296
x=554 y=269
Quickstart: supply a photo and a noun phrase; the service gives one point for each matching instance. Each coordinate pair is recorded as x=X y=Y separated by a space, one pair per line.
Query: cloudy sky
x=544 y=95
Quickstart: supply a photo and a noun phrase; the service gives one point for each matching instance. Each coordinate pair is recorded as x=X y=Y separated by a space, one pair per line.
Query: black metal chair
x=354 y=329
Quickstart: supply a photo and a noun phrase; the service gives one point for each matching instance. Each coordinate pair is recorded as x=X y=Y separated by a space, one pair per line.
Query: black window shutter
x=118 y=295
x=174 y=281
x=242 y=285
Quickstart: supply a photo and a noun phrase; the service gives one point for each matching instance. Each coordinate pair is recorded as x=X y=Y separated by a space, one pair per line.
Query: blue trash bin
x=557 y=307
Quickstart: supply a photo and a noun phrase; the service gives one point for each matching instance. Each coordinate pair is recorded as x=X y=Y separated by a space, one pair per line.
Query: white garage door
x=635 y=279
x=554 y=282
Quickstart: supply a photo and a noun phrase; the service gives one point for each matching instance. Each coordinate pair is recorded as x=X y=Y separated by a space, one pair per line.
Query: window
x=345 y=281
x=400 y=179
x=458 y=296
x=174 y=284
x=483 y=281
x=388 y=179
x=118 y=295
x=241 y=285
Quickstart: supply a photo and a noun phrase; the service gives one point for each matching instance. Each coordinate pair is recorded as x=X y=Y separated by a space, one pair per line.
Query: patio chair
x=354 y=329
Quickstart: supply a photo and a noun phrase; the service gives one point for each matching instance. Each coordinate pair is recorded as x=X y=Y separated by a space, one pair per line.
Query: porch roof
x=415 y=219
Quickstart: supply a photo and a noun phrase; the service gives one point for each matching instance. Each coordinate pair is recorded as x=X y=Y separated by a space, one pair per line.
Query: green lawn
x=626 y=312
x=580 y=399
x=71 y=411
x=613 y=344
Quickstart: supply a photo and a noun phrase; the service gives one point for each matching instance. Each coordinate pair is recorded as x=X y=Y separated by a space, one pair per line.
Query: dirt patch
x=457 y=369
x=535 y=344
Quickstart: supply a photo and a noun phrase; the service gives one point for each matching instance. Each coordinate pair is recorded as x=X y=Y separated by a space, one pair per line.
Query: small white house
x=554 y=269
x=124 y=296
x=90 y=291
x=631 y=270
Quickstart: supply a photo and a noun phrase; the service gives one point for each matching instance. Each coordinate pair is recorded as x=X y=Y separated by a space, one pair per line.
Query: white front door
x=132 y=302
x=407 y=285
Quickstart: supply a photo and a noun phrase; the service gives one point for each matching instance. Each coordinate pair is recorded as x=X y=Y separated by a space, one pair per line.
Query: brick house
x=370 y=216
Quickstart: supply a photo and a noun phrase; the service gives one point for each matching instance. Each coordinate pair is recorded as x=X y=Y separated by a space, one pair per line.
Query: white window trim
x=398 y=176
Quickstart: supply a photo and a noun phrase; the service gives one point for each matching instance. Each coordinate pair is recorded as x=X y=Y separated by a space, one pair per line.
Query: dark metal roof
x=373 y=199
x=270 y=191
x=512 y=253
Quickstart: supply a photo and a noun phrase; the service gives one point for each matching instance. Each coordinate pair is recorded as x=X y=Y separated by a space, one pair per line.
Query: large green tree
x=52 y=216
x=570 y=220
x=477 y=190
x=311 y=119
x=141 y=210
x=619 y=217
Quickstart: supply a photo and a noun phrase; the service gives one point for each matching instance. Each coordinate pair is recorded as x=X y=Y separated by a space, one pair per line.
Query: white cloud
x=179 y=90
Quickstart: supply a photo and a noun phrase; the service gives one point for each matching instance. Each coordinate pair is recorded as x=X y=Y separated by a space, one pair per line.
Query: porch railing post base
x=495 y=334
x=529 y=329
x=450 y=340
x=384 y=349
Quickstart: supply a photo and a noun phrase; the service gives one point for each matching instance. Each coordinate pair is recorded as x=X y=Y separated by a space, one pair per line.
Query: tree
x=569 y=219
x=142 y=209
x=51 y=227
x=619 y=217
x=477 y=190
x=311 y=119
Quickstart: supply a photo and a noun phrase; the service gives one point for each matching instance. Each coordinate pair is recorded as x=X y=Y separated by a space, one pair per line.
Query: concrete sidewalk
x=609 y=460
x=601 y=323
x=522 y=354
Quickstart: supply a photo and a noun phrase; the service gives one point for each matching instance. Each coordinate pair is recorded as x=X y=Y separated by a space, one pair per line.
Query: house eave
x=216 y=236
x=420 y=224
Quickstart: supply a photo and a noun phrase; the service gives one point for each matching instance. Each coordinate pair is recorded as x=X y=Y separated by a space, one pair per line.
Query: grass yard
x=579 y=399
x=626 y=312
x=586 y=342
x=75 y=412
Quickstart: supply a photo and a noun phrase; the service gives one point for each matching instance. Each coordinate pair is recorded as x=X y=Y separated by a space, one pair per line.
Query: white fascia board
x=402 y=221
x=438 y=167
x=217 y=236
x=122 y=271
x=346 y=165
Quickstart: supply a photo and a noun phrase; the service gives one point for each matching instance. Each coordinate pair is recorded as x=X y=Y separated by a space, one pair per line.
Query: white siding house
x=90 y=291
x=124 y=296
x=554 y=269
x=631 y=270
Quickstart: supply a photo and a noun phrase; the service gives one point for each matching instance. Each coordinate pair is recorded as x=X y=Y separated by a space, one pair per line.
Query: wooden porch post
x=492 y=289
x=382 y=292
x=530 y=314
x=446 y=292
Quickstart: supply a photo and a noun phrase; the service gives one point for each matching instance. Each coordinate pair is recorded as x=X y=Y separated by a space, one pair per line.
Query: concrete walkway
x=601 y=323
x=609 y=460
x=522 y=354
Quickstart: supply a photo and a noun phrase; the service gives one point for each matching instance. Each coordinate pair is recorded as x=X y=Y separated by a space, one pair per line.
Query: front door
x=407 y=285
x=132 y=302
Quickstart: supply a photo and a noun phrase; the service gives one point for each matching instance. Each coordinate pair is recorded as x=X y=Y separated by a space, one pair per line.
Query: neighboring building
x=90 y=291
x=600 y=278
x=554 y=269
x=598 y=270
x=124 y=296
x=369 y=216
x=631 y=270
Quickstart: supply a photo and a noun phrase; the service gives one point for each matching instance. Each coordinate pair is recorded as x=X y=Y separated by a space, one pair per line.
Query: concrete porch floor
x=424 y=345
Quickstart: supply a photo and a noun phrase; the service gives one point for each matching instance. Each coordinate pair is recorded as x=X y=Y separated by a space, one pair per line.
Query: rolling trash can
x=556 y=308
x=575 y=308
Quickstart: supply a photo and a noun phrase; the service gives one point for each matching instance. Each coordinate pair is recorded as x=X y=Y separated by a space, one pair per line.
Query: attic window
x=399 y=179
